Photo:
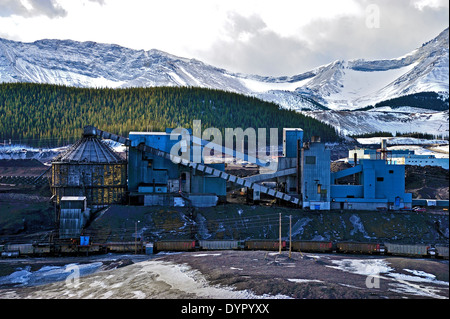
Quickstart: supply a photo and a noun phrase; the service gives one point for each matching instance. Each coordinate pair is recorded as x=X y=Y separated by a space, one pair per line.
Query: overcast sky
x=282 y=37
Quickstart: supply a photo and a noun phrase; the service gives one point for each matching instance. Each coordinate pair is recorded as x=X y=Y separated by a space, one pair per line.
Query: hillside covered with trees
x=50 y=115
x=425 y=100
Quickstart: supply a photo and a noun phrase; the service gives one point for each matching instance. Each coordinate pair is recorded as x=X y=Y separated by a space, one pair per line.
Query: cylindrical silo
x=90 y=168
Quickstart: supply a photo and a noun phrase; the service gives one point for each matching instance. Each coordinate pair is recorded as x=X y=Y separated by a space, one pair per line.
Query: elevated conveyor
x=199 y=167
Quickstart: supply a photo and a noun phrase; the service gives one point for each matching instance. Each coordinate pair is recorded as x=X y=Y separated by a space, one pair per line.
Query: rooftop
x=89 y=149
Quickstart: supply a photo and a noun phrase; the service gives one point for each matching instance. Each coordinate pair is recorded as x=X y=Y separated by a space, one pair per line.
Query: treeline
x=44 y=114
x=425 y=100
x=373 y=134
x=425 y=136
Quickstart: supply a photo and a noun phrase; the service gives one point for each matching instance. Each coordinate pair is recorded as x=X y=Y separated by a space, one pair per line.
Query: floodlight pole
x=279 y=244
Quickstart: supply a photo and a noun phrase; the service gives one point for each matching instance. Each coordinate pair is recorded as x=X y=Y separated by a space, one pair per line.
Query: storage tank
x=90 y=168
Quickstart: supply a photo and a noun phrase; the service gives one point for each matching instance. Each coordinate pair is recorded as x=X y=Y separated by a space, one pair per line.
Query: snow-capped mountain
x=91 y=64
x=340 y=85
x=359 y=83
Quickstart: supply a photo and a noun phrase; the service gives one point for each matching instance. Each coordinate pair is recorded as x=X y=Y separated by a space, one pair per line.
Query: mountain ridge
x=337 y=86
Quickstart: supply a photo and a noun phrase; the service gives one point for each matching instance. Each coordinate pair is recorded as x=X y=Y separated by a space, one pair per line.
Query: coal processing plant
x=90 y=176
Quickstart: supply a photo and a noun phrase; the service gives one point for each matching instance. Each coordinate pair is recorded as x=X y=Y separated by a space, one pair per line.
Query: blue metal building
x=379 y=185
x=303 y=172
x=315 y=176
x=155 y=180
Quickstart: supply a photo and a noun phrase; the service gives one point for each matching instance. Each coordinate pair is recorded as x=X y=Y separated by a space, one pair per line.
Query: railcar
x=22 y=249
x=123 y=247
x=441 y=251
x=358 y=248
x=313 y=246
x=264 y=244
x=221 y=244
x=174 y=245
x=407 y=250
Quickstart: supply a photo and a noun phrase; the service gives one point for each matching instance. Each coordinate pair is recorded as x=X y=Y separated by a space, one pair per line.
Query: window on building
x=310 y=160
x=319 y=188
x=380 y=179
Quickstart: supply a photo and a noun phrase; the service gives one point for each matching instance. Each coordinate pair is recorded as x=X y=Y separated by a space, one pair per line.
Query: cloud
x=401 y=28
x=284 y=37
x=101 y=2
x=31 y=8
x=378 y=29
x=435 y=4
x=248 y=45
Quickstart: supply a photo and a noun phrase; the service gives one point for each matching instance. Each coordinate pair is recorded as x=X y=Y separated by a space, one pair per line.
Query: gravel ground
x=250 y=275
x=322 y=276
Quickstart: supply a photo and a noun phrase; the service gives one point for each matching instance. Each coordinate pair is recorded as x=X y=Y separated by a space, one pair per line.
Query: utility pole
x=290 y=235
x=135 y=237
x=279 y=244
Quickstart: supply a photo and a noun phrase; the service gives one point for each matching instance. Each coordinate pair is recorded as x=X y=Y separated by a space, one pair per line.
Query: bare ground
x=254 y=275
x=312 y=276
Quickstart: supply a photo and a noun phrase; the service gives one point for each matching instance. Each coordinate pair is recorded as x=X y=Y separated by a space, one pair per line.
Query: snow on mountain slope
x=338 y=85
x=90 y=64
x=357 y=88
x=360 y=122
x=359 y=83
x=341 y=85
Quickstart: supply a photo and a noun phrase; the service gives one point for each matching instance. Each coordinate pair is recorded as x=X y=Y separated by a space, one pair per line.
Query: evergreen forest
x=46 y=115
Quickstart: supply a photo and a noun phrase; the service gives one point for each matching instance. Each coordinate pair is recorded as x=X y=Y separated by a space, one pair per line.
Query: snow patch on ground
x=297 y=280
x=145 y=279
x=297 y=228
x=358 y=226
x=402 y=283
x=47 y=274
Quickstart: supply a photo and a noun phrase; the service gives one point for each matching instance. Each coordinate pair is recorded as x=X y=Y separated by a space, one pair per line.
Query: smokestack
x=383 y=149
x=383 y=144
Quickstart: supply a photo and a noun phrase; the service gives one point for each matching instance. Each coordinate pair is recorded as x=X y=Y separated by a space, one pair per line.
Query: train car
x=220 y=244
x=174 y=245
x=441 y=251
x=41 y=249
x=23 y=249
x=407 y=250
x=313 y=246
x=90 y=249
x=123 y=247
x=358 y=248
x=263 y=244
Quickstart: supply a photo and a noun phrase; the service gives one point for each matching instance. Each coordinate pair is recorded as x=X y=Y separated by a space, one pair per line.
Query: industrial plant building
x=156 y=180
x=400 y=157
x=150 y=175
